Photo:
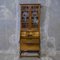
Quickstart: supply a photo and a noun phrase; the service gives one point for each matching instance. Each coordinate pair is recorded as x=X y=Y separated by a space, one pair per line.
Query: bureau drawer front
x=30 y=34
x=25 y=47
x=30 y=41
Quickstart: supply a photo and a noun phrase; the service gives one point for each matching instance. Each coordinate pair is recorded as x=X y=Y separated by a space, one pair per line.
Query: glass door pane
x=24 y=16
x=34 y=17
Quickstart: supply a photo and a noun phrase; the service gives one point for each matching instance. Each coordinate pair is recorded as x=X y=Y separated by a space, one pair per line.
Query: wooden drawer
x=25 y=47
x=30 y=35
x=30 y=41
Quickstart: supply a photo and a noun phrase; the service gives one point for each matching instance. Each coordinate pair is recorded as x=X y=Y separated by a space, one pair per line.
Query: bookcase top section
x=31 y=4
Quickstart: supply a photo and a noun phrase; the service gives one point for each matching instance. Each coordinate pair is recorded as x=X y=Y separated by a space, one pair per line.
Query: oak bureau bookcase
x=30 y=30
